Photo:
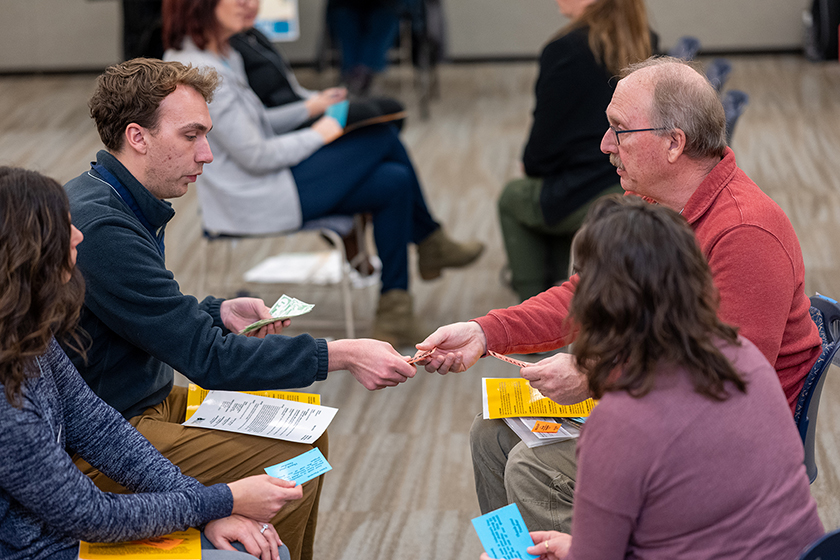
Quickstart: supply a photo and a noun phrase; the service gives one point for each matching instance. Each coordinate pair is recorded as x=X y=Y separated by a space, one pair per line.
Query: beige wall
x=499 y=28
x=730 y=24
x=85 y=34
x=58 y=34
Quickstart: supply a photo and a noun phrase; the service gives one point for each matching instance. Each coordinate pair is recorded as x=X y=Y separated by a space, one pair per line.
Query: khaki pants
x=540 y=480
x=213 y=457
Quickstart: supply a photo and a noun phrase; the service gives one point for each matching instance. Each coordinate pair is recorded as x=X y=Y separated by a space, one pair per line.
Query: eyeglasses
x=617 y=132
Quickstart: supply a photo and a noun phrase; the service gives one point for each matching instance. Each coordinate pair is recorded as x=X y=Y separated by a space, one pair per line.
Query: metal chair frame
x=332 y=228
x=826 y=314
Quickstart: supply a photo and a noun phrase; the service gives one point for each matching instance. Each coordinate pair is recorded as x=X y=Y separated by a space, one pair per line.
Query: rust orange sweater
x=756 y=264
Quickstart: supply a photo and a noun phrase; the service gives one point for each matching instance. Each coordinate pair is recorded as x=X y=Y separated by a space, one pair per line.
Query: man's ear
x=677 y=145
x=135 y=138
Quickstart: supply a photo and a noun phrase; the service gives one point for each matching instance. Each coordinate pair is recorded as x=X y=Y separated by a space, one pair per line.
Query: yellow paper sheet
x=180 y=545
x=509 y=397
x=196 y=395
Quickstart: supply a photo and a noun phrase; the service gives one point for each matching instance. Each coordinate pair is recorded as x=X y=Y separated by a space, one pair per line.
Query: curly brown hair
x=132 y=92
x=37 y=301
x=645 y=299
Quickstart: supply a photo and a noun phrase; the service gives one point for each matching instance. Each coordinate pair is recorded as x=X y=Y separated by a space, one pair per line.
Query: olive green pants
x=538 y=254
x=539 y=480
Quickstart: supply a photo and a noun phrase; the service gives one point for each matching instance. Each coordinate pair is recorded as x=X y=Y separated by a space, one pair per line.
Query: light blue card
x=338 y=111
x=503 y=534
x=302 y=468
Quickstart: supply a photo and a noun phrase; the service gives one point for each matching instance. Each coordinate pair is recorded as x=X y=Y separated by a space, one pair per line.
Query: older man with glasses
x=667 y=141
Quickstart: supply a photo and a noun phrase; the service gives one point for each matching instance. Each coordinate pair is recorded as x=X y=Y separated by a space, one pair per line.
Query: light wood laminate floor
x=402 y=480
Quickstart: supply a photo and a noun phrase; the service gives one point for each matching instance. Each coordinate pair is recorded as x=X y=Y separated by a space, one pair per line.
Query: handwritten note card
x=503 y=534
x=302 y=468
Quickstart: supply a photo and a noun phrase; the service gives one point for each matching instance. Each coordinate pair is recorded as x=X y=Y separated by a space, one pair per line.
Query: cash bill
x=421 y=356
x=508 y=359
x=284 y=308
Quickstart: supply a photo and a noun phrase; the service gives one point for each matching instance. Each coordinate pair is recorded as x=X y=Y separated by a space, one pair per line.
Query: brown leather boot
x=438 y=251
x=395 y=321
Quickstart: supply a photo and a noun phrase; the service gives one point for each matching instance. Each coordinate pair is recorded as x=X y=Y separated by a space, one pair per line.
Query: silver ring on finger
x=264 y=527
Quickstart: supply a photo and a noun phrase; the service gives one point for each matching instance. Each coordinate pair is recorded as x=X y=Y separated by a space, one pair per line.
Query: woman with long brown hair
x=563 y=164
x=47 y=412
x=691 y=452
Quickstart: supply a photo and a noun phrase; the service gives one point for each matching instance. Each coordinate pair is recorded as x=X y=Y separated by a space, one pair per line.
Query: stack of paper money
x=284 y=308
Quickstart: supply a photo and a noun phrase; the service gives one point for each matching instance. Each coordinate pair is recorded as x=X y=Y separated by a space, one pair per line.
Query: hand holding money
x=454 y=347
x=283 y=309
x=375 y=364
x=420 y=357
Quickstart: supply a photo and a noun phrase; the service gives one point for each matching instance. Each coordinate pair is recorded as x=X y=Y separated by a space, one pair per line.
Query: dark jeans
x=368 y=170
x=364 y=35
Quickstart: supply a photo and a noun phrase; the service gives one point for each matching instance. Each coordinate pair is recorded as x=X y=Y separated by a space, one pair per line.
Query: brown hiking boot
x=438 y=251
x=395 y=321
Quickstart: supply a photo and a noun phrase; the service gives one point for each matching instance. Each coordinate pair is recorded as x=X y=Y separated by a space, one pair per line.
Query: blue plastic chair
x=827 y=547
x=717 y=72
x=685 y=48
x=826 y=314
x=734 y=102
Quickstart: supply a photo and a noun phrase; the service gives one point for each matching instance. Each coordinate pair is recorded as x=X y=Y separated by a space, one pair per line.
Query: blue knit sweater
x=47 y=505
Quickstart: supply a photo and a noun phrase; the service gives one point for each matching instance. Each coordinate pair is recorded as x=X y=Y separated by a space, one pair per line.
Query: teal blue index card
x=338 y=111
x=504 y=535
x=302 y=468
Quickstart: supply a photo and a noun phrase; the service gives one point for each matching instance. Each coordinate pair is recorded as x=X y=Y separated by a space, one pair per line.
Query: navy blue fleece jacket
x=141 y=324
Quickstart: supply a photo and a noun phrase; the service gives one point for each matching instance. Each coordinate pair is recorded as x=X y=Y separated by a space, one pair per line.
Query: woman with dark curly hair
x=691 y=452
x=47 y=412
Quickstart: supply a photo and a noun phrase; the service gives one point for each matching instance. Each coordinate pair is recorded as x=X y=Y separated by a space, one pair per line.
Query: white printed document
x=525 y=428
x=231 y=411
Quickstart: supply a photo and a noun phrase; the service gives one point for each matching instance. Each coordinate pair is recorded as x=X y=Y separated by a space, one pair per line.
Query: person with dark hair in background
x=268 y=177
x=691 y=451
x=271 y=78
x=152 y=117
x=564 y=167
x=667 y=140
x=47 y=411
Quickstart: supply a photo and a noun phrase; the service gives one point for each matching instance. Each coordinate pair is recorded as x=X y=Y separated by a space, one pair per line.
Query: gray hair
x=683 y=98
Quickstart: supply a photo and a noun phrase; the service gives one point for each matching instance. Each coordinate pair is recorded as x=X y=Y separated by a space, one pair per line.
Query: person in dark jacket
x=153 y=118
x=564 y=167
